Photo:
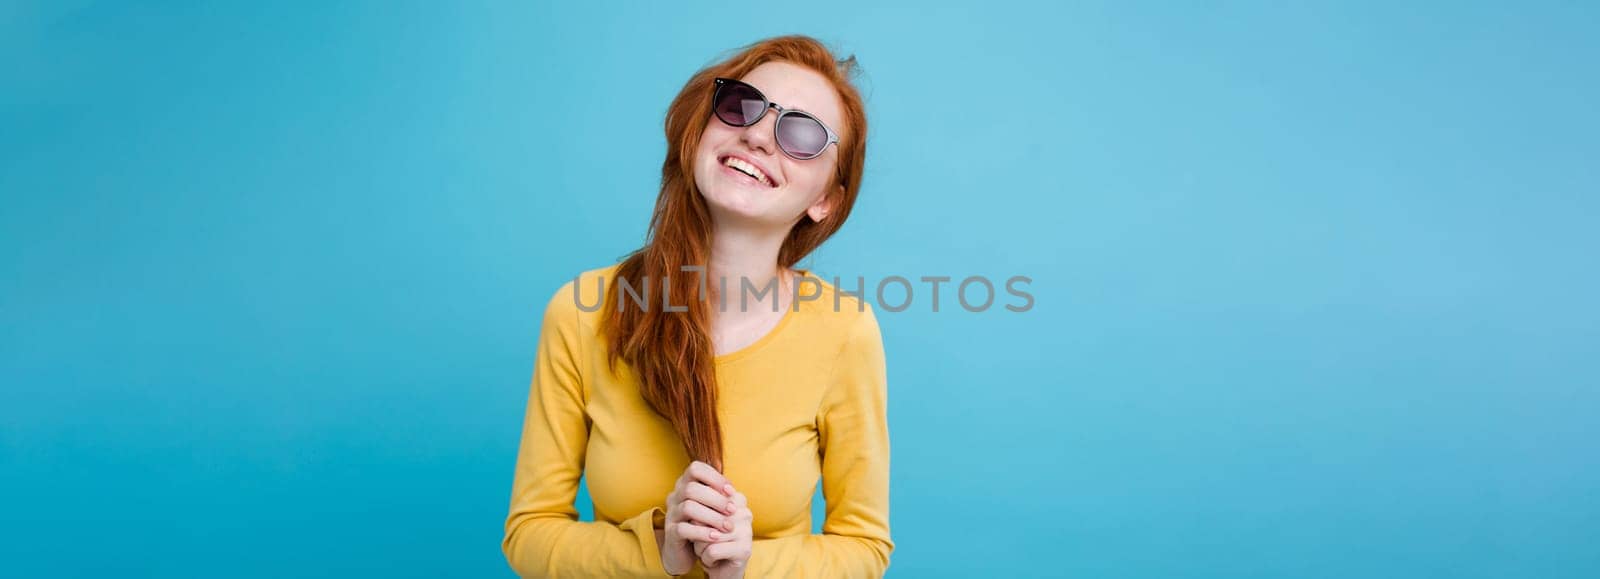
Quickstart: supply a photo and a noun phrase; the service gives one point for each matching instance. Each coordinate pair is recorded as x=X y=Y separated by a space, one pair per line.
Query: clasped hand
x=709 y=521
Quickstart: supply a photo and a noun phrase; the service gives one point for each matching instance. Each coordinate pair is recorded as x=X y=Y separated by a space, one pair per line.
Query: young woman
x=703 y=385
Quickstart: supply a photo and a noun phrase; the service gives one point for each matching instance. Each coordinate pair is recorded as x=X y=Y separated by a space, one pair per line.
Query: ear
x=819 y=210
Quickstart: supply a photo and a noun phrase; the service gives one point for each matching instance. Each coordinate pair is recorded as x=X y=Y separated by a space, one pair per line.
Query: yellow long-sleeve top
x=807 y=400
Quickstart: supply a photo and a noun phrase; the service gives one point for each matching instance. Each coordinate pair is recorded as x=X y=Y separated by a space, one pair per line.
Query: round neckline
x=772 y=334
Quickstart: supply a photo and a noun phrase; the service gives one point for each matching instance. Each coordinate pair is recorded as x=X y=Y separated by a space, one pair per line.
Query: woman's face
x=793 y=188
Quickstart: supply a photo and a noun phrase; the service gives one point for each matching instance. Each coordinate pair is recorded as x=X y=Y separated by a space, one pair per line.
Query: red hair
x=671 y=351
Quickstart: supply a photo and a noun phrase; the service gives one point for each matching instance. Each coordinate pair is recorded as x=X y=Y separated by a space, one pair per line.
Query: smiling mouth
x=748 y=169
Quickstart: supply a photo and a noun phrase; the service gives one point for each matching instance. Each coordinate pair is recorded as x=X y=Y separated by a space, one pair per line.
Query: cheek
x=705 y=158
x=717 y=134
x=704 y=166
x=809 y=179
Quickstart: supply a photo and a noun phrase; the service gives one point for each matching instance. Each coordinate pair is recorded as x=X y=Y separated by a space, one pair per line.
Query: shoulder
x=579 y=300
x=844 y=311
x=857 y=371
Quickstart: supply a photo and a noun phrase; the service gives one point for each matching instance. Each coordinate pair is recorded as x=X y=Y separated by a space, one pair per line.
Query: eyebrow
x=763 y=92
x=785 y=107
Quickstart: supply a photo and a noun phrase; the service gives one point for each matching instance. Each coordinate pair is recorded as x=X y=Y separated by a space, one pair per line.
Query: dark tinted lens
x=801 y=135
x=739 y=104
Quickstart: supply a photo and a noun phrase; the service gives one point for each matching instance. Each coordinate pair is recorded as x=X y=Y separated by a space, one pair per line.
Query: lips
x=746 y=168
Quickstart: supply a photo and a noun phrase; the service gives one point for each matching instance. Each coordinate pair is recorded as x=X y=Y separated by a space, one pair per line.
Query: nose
x=759 y=136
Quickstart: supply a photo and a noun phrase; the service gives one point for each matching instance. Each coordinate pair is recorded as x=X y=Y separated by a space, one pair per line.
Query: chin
x=733 y=204
x=738 y=205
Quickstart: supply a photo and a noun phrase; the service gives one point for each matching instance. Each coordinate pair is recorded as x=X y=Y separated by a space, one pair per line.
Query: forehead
x=796 y=87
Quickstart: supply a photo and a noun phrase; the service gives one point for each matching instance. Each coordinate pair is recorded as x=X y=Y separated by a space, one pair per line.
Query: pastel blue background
x=1315 y=284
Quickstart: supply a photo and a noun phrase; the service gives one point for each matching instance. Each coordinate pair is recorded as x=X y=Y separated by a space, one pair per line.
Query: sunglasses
x=799 y=134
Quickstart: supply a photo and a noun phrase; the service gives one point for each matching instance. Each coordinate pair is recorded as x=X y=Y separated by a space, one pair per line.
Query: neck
x=739 y=254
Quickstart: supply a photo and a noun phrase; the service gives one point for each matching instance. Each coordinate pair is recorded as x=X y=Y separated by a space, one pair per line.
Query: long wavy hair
x=671 y=351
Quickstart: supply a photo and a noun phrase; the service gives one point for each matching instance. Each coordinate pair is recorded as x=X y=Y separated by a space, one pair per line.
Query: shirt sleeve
x=543 y=535
x=853 y=430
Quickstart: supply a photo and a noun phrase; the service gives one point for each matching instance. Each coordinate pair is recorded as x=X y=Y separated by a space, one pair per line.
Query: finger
x=715 y=552
x=682 y=482
x=710 y=477
x=704 y=515
x=704 y=495
x=706 y=557
x=693 y=532
x=675 y=510
x=739 y=500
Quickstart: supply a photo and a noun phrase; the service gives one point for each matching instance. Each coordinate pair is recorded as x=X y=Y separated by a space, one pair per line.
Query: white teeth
x=748 y=169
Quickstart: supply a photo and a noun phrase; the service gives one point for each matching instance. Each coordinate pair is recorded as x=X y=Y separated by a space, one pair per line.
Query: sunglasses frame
x=833 y=138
